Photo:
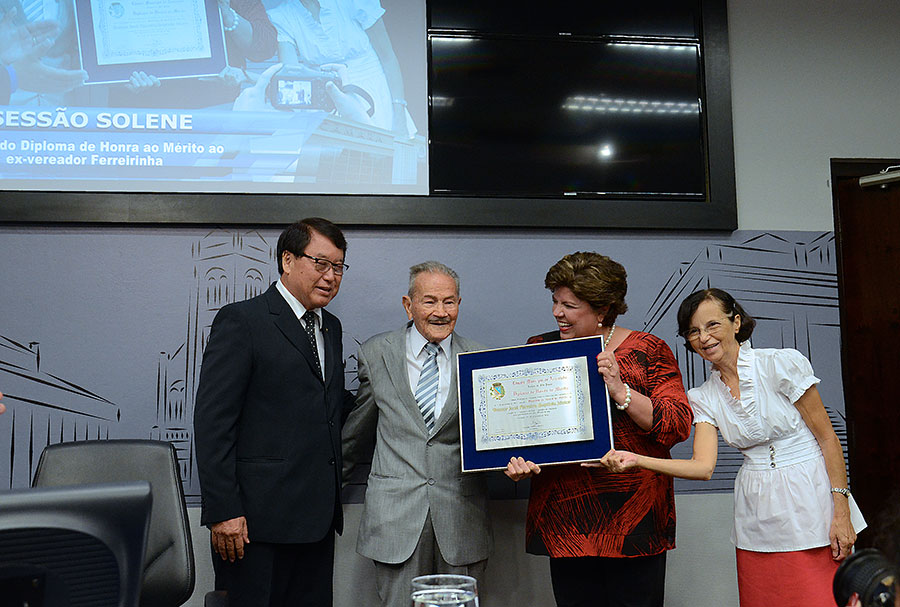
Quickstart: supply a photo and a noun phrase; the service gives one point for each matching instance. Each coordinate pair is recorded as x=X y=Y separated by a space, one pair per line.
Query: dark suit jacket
x=267 y=429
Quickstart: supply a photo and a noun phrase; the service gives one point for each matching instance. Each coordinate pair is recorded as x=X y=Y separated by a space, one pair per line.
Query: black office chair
x=169 y=560
x=215 y=598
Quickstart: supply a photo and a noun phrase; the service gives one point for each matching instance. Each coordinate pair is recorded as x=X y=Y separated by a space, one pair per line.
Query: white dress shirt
x=415 y=360
x=782 y=495
x=299 y=311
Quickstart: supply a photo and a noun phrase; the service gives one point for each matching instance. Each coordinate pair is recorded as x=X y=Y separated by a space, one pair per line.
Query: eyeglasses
x=712 y=327
x=322 y=265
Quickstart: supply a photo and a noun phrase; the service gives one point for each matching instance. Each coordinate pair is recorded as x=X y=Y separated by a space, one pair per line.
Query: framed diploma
x=544 y=402
x=163 y=38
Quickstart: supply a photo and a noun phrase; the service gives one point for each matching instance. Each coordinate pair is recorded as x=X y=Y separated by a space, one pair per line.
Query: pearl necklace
x=609 y=337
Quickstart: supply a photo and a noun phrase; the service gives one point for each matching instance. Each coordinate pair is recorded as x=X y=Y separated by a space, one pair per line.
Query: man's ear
x=407 y=305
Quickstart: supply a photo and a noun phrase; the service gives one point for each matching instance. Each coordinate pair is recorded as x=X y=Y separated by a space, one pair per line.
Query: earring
x=599 y=324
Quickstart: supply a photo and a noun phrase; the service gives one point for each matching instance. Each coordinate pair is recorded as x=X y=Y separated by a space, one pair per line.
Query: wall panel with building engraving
x=102 y=331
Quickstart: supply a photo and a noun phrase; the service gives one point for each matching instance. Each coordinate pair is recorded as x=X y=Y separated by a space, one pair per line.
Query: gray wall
x=101 y=319
x=810 y=80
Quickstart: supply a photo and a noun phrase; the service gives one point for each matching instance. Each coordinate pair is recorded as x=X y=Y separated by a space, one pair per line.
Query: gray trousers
x=394 y=581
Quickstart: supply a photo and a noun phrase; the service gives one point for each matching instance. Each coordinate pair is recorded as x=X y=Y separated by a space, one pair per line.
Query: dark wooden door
x=867 y=232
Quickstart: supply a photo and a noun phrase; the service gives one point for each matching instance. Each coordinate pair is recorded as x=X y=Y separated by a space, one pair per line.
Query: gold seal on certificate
x=531 y=404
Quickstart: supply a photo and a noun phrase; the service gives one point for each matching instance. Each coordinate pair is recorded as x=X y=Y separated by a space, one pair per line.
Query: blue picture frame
x=559 y=453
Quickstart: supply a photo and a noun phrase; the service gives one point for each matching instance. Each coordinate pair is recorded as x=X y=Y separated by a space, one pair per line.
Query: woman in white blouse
x=792 y=508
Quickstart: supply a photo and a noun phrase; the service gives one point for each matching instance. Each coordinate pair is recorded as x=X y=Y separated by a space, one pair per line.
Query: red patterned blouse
x=576 y=511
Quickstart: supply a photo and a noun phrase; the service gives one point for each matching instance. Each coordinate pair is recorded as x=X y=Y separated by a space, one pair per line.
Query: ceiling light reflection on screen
x=453 y=39
x=671 y=48
x=583 y=103
x=438 y=101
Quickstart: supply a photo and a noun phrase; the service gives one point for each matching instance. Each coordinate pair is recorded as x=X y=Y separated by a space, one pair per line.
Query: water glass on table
x=444 y=590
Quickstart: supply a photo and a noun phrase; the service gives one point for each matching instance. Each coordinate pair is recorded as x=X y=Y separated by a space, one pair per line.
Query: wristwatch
x=842 y=490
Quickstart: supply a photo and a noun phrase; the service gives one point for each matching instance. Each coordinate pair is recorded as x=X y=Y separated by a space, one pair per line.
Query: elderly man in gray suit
x=422 y=514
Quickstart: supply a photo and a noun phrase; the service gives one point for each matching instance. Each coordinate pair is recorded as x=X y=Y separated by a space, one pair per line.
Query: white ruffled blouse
x=782 y=494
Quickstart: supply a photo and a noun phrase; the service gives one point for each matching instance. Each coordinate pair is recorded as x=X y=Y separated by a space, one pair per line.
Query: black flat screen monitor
x=74 y=546
x=560 y=117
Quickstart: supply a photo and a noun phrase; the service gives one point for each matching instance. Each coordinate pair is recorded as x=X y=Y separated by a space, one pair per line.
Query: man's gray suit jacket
x=412 y=472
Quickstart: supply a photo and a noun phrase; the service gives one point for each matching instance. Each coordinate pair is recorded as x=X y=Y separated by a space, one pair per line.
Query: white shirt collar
x=297 y=307
x=417 y=341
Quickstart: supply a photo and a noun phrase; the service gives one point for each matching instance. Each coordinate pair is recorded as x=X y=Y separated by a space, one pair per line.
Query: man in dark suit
x=421 y=515
x=267 y=423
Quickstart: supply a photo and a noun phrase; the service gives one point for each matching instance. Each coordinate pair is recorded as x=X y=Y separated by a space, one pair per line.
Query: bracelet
x=627 y=402
x=400 y=102
x=234 y=22
x=842 y=490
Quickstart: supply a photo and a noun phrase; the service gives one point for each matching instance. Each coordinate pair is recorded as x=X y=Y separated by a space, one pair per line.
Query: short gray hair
x=434 y=267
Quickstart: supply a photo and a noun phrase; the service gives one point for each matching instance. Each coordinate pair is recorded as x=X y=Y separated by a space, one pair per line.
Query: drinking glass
x=444 y=590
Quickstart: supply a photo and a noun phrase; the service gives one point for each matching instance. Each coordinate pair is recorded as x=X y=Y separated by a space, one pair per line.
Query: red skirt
x=803 y=577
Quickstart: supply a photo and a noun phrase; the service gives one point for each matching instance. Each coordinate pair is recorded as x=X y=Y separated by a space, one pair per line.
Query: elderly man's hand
x=228 y=538
x=518 y=468
x=142 y=81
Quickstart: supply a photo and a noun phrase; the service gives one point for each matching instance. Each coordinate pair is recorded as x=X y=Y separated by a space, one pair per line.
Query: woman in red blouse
x=606 y=534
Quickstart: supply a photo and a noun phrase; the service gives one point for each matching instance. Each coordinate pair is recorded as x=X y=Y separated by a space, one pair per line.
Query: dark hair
x=729 y=306
x=296 y=237
x=593 y=278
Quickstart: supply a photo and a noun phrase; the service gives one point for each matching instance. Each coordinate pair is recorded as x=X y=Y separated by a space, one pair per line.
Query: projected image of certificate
x=532 y=404
x=165 y=38
x=149 y=30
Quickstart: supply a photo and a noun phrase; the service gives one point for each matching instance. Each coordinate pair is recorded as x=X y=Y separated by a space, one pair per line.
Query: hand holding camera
x=301 y=87
x=866 y=579
x=291 y=87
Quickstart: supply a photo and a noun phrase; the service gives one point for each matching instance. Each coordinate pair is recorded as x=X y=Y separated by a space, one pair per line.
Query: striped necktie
x=33 y=9
x=427 y=388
